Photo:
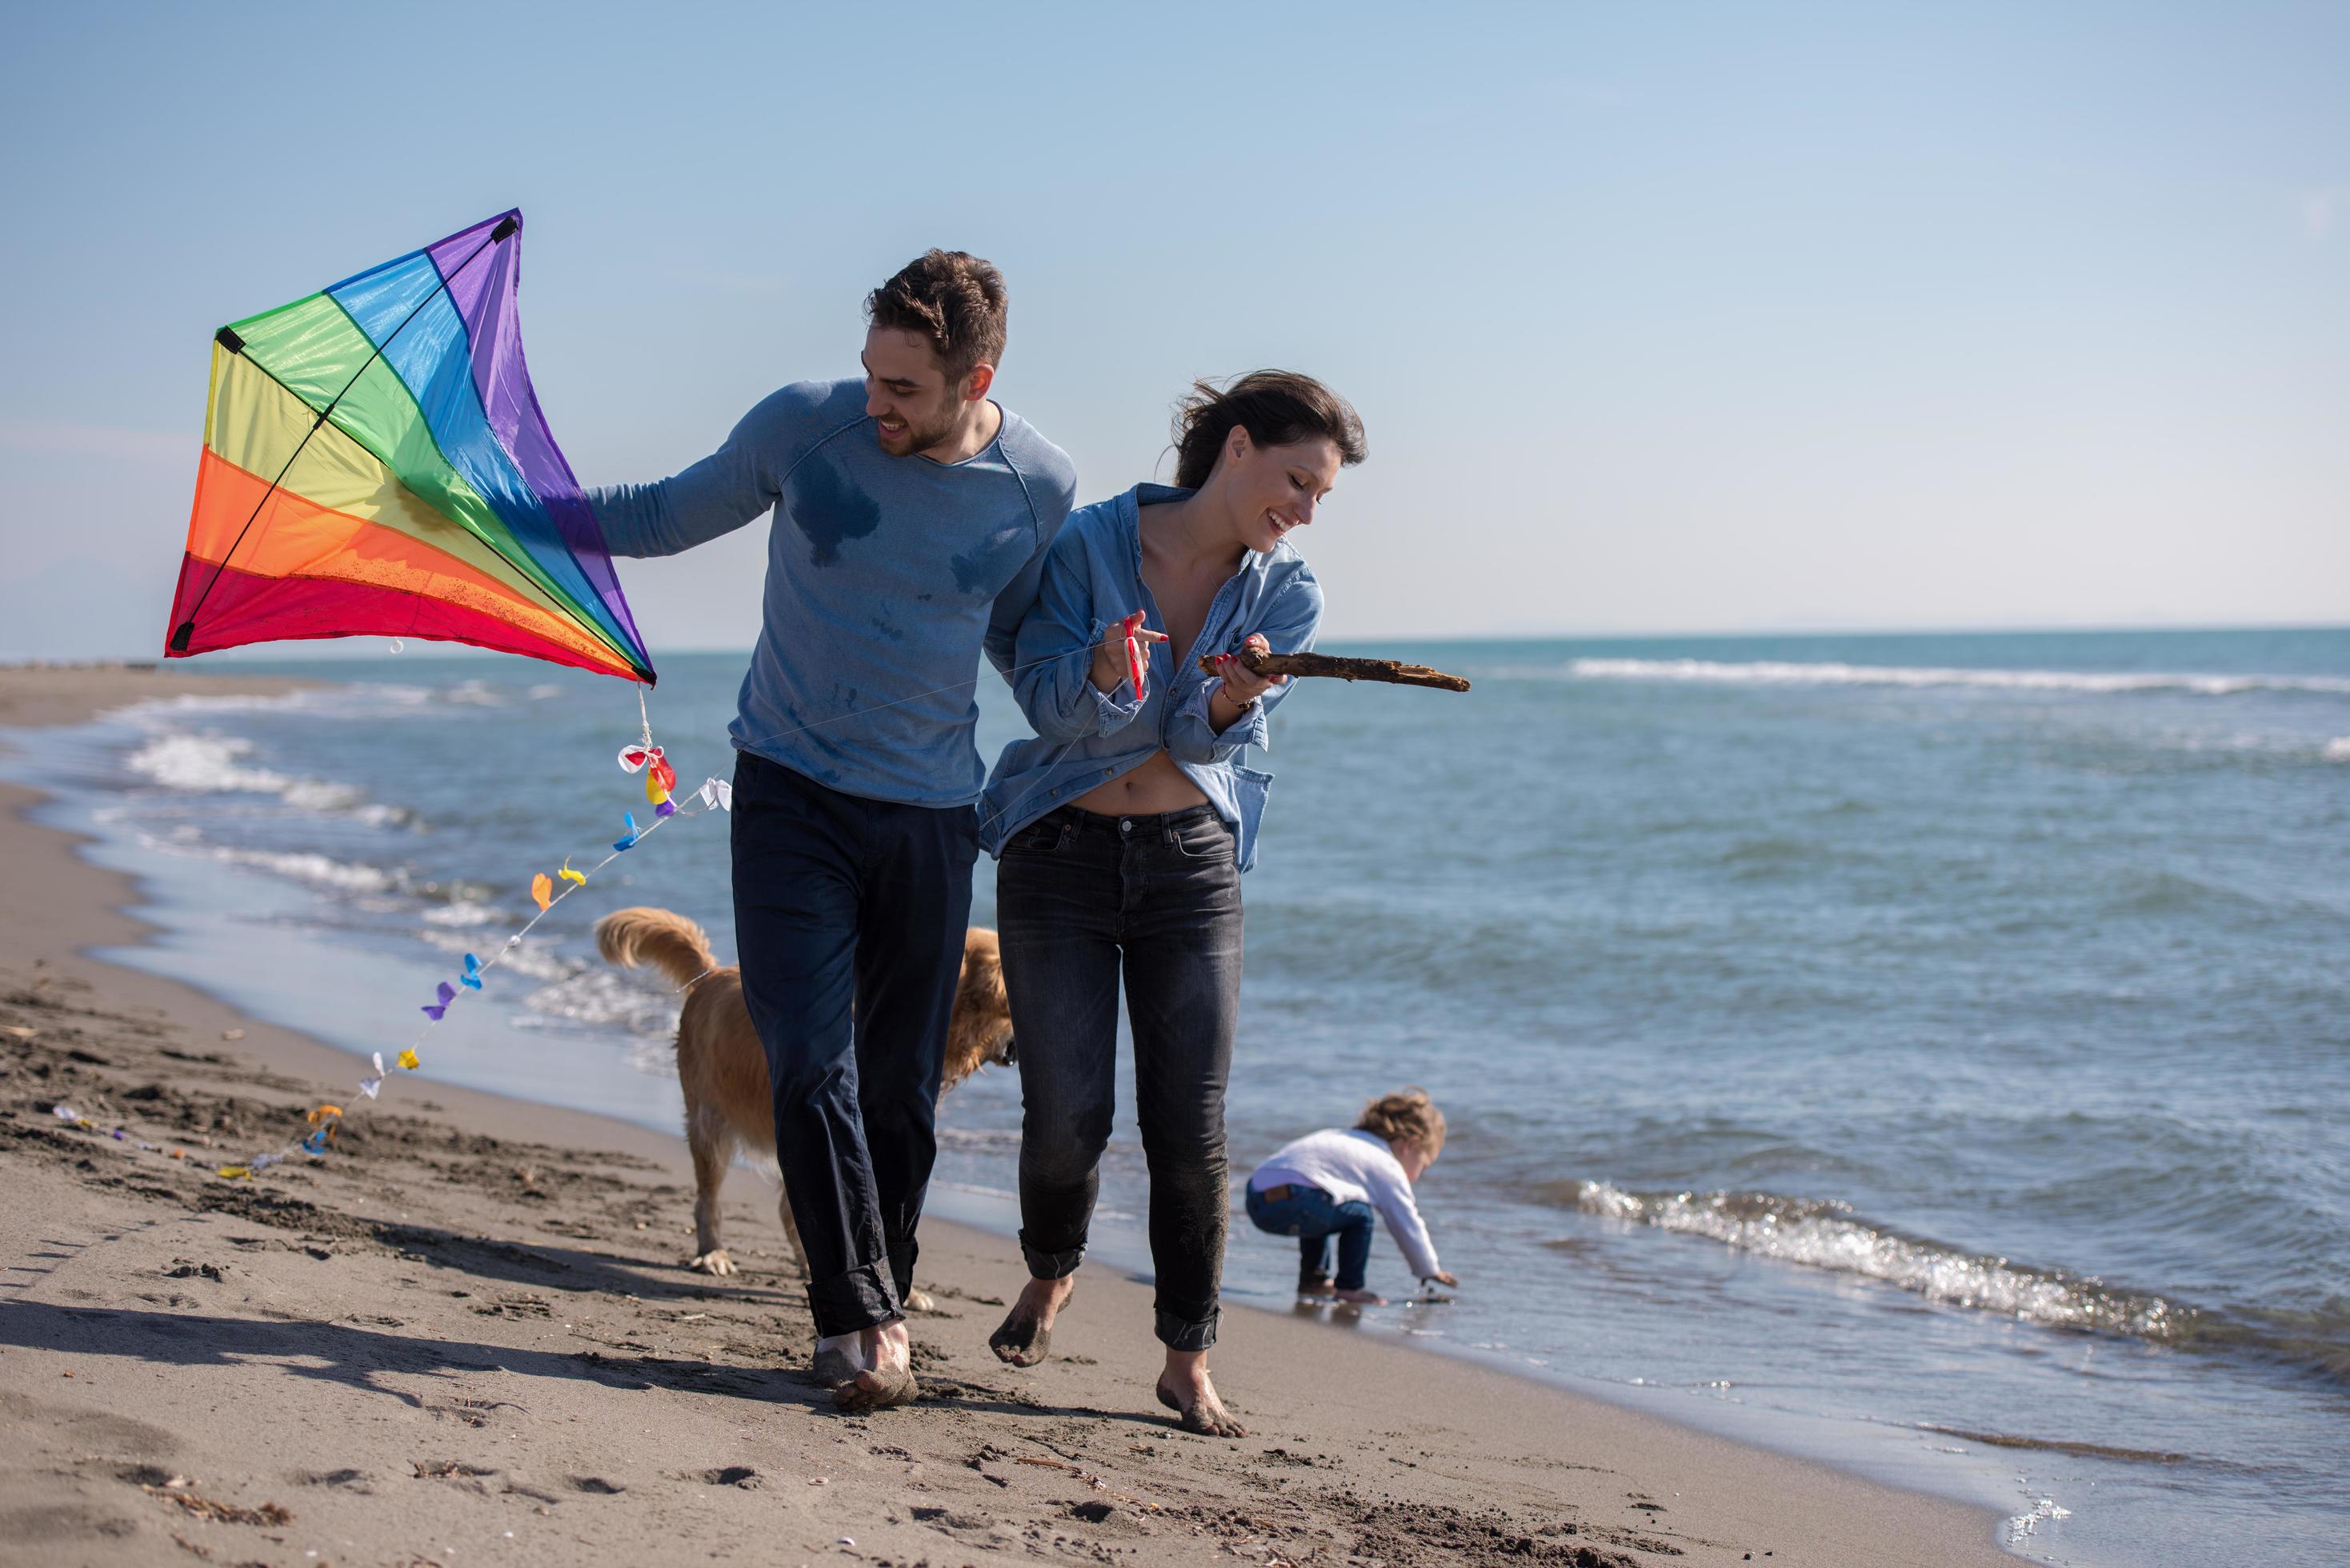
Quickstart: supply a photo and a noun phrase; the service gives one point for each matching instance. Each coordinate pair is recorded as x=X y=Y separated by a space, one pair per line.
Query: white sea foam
x=601 y=999
x=319 y=871
x=2337 y=749
x=204 y=764
x=463 y=915
x=211 y=763
x=1826 y=1236
x=1767 y=672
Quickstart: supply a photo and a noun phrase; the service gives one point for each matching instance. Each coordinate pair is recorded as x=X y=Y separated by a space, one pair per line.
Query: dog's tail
x=669 y=942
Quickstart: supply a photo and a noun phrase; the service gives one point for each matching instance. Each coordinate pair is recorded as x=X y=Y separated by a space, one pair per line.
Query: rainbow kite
x=375 y=464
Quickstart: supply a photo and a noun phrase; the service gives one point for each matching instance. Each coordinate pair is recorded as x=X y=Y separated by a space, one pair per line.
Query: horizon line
x=426 y=647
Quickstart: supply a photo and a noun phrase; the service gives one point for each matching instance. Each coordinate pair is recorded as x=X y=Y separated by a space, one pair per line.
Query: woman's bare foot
x=1360 y=1298
x=1184 y=1388
x=1025 y=1337
x=888 y=1378
x=1314 y=1285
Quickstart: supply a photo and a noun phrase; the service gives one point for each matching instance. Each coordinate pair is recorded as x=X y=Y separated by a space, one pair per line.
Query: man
x=911 y=516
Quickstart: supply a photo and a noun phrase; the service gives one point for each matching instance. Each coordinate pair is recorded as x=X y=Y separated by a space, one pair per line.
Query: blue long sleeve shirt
x=1086 y=736
x=887 y=576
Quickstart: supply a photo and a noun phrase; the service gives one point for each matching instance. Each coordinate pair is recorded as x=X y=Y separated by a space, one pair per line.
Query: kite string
x=287 y=1151
x=515 y=941
x=987 y=821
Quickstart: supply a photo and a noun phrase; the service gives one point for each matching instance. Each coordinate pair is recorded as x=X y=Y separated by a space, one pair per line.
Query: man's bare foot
x=887 y=1376
x=838 y=1358
x=1360 y=1298
x=1184 y=1388
x=1025 y=1337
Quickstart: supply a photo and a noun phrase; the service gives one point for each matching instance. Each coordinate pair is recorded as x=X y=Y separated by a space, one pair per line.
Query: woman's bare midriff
x=1157 y=785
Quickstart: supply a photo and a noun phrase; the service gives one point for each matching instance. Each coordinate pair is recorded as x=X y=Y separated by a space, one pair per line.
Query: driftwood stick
x=1388 y=672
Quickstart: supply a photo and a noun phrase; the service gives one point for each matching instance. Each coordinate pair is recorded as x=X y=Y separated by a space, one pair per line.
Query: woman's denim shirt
x=1085 y=737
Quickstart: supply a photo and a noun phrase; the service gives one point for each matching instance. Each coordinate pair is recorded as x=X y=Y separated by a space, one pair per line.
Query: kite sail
x=375 y=463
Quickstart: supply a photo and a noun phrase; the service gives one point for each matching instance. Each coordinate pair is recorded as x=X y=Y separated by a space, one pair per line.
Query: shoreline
x=159 y=1285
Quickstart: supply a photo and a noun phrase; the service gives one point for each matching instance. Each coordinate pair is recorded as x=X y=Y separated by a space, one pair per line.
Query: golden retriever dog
x=723 y=1068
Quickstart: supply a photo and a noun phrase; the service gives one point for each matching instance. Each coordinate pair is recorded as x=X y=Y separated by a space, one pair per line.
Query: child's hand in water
x=1441 y=1278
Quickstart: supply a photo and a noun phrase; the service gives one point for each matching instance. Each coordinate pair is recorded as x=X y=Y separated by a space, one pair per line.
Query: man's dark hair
x=952 y=300
x=1276 y=407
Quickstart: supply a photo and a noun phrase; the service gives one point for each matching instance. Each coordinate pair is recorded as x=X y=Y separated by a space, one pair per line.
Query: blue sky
x=1699 y=318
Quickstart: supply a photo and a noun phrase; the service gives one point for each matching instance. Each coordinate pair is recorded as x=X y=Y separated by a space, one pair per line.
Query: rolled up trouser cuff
x=1182 y=1333
x=901 y=1270
x=1045 y=1265
x=861 y=1298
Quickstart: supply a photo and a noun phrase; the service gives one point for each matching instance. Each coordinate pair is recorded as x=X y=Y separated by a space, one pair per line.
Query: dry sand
x=466 y=1337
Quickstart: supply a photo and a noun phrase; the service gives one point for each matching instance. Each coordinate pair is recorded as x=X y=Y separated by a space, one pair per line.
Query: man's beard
x=921 y=437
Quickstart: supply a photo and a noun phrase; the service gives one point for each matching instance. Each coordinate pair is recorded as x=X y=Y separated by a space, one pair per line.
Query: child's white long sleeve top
x=1354 y=1167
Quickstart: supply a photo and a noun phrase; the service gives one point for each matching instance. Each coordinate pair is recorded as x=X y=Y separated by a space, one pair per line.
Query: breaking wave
x=594 y=997
x=1776 y=673
x=1827 y=1235
x=215 y=765
x=318 y=870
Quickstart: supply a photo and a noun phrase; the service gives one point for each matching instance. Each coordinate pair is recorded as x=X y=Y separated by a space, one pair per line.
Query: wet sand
x=467 y=1337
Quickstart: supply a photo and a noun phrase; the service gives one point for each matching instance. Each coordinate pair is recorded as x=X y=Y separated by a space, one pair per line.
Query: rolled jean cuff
x=1180 y=1334
x=861 y=1298
x=1044 y=1265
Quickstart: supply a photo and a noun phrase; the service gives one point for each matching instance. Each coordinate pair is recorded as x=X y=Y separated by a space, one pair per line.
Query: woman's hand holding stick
x=1267 y=665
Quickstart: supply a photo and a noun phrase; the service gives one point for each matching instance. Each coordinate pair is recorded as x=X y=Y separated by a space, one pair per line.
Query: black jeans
x=850 y=916
x=1080 y=899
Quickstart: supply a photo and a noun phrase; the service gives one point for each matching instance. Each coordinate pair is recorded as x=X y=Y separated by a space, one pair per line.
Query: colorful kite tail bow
x=659 y=779
x=443 y=995
x=577 y=879
x=628 y=840
x=375 y=463
x=717 y=793
x=542 y=891
x=635 y=759
x=323 y=1123
x=409 y=1060
x=371 y=1087
x=472 y=979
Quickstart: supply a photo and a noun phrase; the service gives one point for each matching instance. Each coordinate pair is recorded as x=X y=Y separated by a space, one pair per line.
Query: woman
x=1124 y=828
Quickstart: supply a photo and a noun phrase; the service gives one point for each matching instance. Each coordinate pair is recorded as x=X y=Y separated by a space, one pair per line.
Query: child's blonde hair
x=1406 y=1116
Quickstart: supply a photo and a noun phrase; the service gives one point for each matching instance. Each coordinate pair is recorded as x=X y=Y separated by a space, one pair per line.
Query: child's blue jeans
x=1313 y=1216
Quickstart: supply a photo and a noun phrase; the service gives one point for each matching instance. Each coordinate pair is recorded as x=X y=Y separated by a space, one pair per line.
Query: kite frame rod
x=507 y=228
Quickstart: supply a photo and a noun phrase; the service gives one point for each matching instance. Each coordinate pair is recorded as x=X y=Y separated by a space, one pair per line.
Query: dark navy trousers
x=850 y=916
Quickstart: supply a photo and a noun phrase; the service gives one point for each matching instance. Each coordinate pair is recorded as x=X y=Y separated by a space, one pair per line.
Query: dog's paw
x=920 y=1301
x=713 y=1261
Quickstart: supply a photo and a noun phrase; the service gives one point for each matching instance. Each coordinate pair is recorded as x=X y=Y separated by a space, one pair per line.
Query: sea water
x=1927 y=1054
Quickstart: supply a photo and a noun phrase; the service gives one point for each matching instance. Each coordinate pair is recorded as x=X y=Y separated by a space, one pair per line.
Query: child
x=1328 y=1183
